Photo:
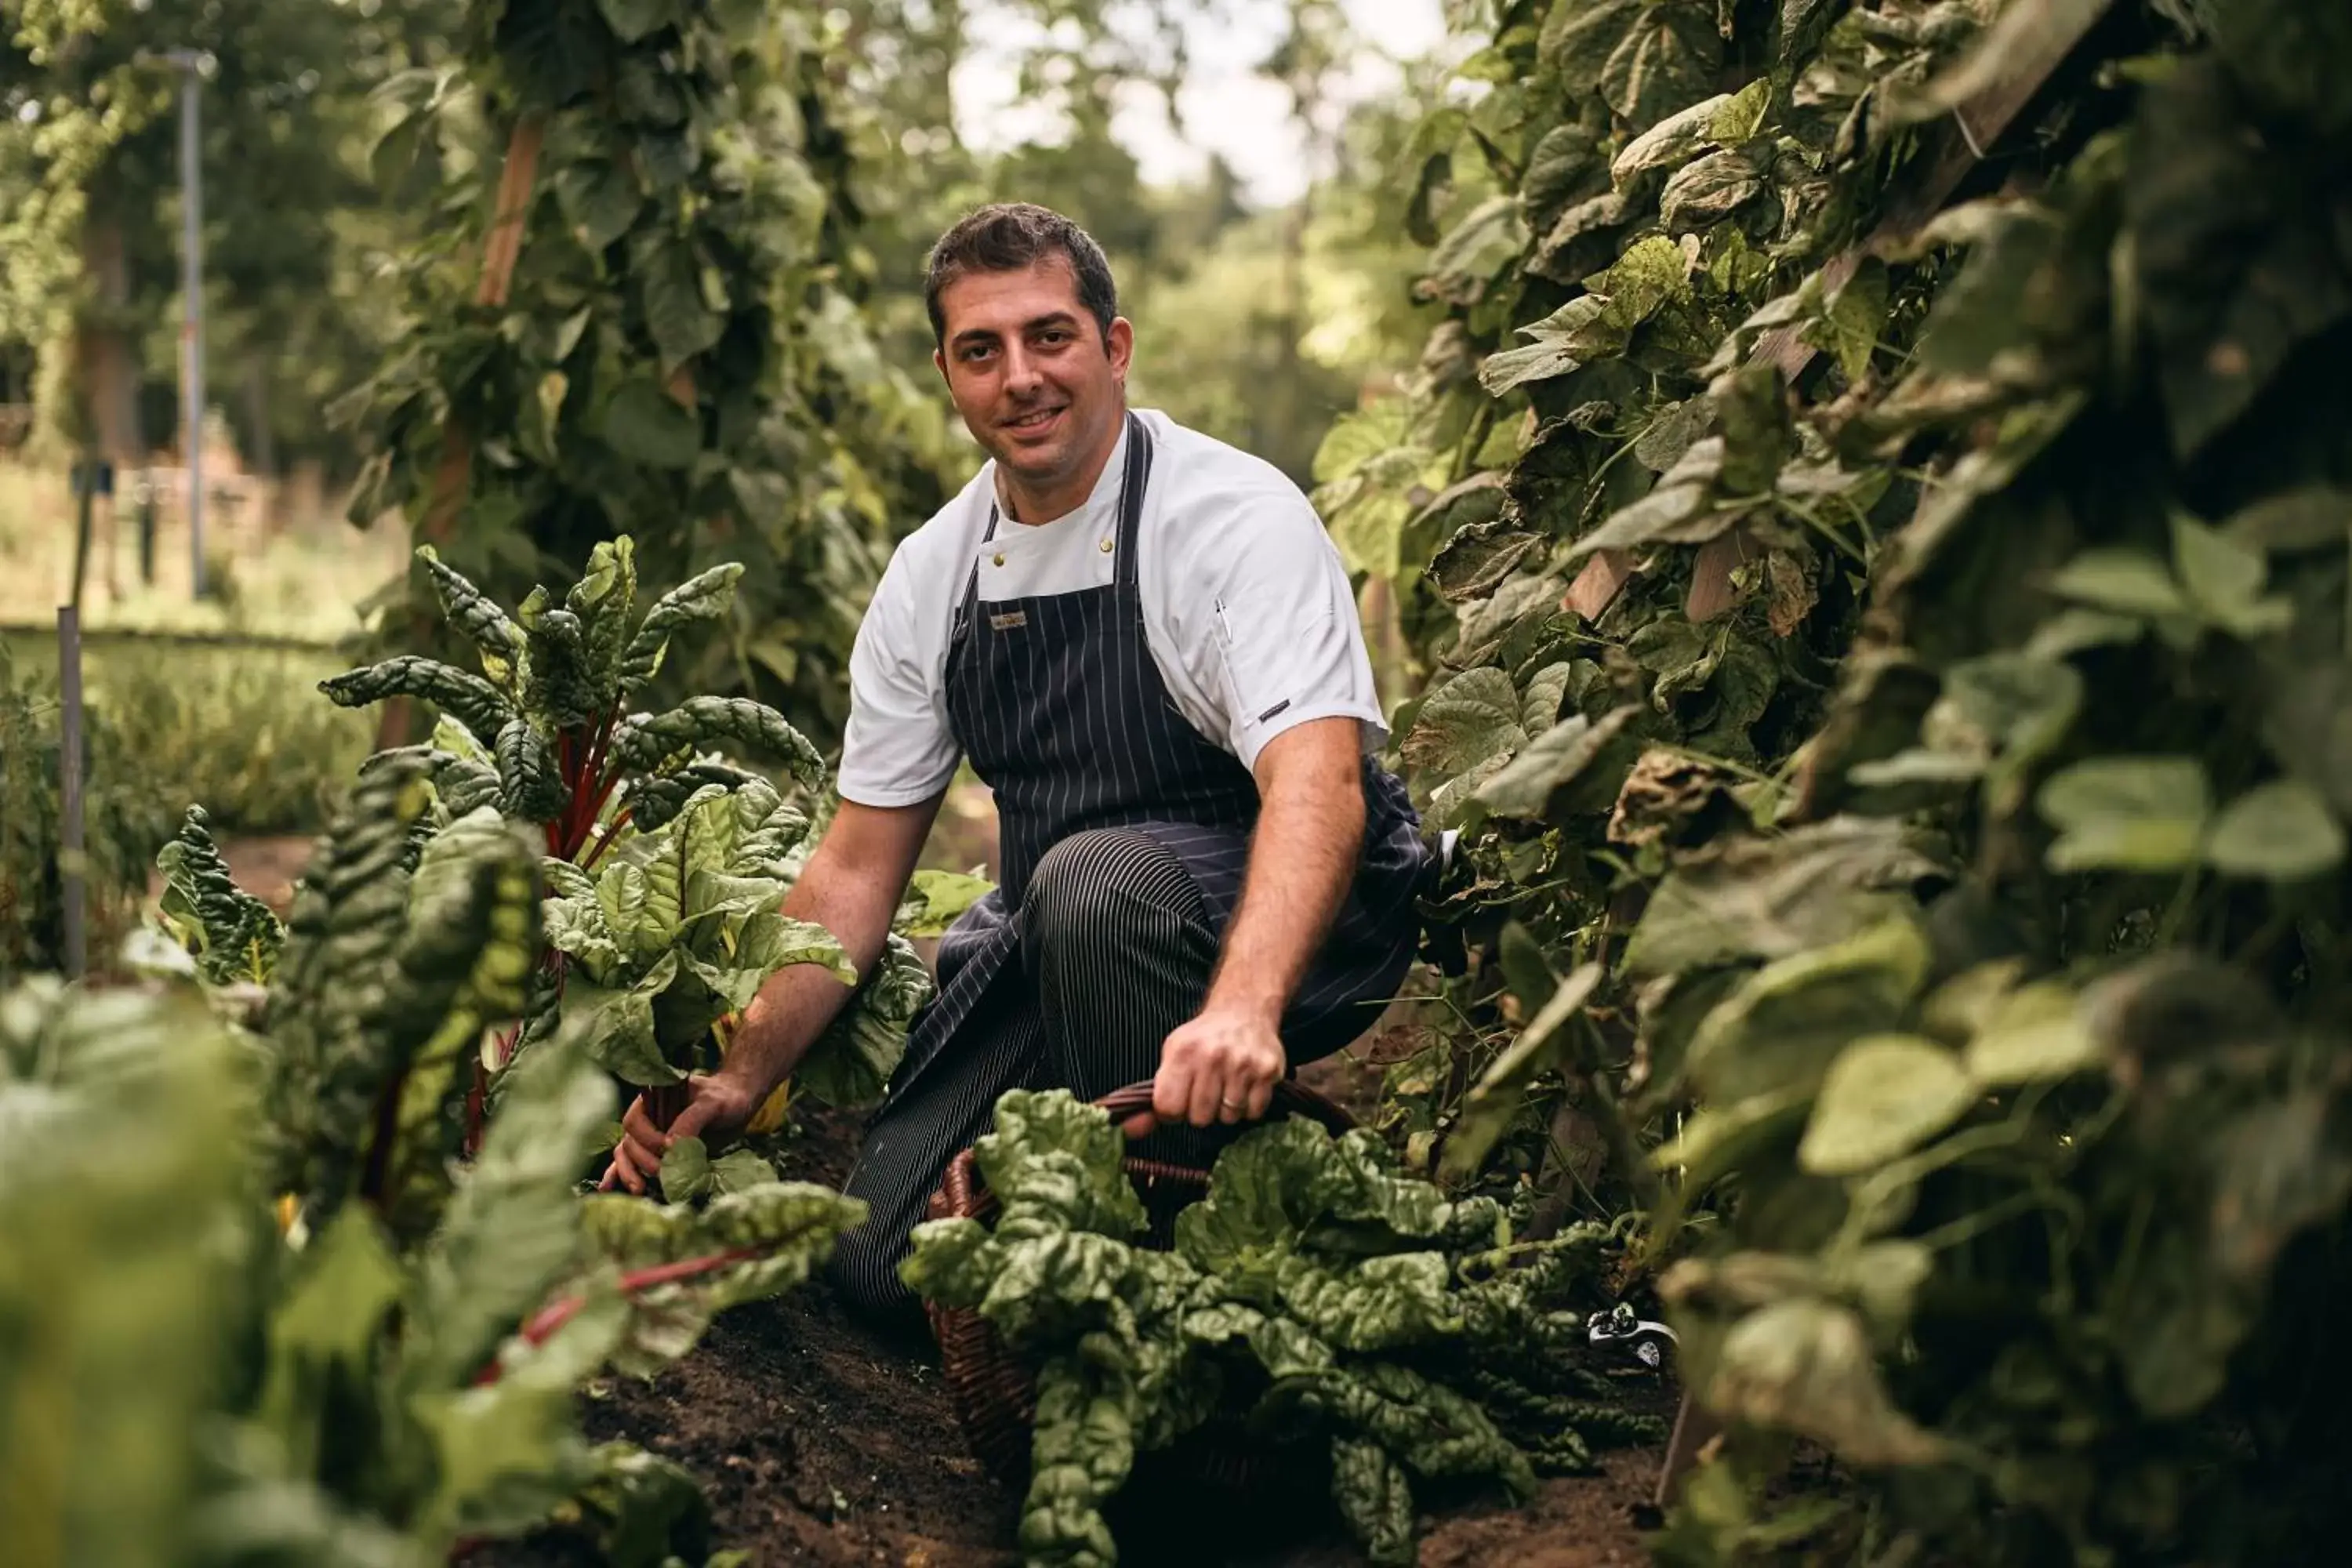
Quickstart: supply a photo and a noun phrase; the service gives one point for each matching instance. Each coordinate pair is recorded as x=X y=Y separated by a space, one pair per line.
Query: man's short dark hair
x=1012 y=237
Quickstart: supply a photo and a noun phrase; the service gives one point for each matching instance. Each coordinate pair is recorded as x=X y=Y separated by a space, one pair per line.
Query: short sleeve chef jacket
x=1246 y=609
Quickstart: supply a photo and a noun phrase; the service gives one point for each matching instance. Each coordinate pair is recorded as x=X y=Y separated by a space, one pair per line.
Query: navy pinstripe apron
x=1056 y=701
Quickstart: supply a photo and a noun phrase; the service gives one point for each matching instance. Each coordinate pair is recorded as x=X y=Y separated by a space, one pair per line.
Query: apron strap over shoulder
x=1130 y=502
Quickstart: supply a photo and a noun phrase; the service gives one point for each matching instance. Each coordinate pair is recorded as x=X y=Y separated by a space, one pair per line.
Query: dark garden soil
x=818 y=1440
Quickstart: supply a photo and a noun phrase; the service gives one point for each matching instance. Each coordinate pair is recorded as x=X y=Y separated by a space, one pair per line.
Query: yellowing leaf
x=2282 y=830
x=1805 y=1367
x=2034 y=1034
x=2126 y=813
x=1886 y=1095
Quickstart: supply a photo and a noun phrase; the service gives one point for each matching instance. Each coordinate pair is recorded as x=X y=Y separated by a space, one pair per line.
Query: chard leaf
x=469 y=699
x=934 y=899
x=616 y=1029
x=854 y=1058
x=771 y=942
x=511 y=1231
x=234 y=935
x=648 y=743
x=561 y=691
x=705 y=596
x=472 y=942
x=685 y=1171
x=740 y=1246
x=532 y=786
x=476 y=614
x=601 y=601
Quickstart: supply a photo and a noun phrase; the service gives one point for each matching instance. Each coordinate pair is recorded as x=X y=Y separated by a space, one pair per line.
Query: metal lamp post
x=191 y=65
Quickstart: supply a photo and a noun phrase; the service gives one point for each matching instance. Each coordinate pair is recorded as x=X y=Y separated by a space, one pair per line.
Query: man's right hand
x=718 y=1106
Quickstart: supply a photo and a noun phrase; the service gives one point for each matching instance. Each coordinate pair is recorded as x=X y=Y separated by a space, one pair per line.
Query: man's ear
x=1120 y=343
x=939 y=362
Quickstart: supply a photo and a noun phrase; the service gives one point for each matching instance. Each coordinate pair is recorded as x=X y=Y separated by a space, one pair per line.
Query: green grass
x=243 y=732
x=307 y=578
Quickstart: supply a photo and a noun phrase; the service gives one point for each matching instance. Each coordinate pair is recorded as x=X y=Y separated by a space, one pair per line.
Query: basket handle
x=1291 y=1098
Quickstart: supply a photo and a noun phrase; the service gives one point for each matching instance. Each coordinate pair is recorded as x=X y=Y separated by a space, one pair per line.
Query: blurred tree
x=90 y=192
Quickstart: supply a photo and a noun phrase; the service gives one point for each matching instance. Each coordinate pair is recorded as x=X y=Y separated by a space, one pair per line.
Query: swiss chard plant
x=678 y=927
x=249 y=1384
x=675 y=931
x=1316 y=1291
x=545 y=731
x=233 y=937
x=423 y=1322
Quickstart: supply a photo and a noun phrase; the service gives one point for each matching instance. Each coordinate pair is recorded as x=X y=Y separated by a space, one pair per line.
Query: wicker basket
x=996 y=1392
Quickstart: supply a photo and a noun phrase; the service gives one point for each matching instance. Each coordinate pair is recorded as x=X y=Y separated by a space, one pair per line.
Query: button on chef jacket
x=1246 y=608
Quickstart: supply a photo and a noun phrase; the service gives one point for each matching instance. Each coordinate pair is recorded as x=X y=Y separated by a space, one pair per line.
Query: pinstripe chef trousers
x=1116 y=945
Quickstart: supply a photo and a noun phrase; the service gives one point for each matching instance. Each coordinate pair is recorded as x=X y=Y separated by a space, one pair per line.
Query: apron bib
x=1057 y=702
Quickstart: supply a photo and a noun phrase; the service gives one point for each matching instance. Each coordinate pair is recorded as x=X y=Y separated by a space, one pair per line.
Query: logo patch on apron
x=1011 y=620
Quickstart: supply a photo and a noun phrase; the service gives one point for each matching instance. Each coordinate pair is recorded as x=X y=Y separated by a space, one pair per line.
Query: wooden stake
x=501 y=250
x=1693 y=1429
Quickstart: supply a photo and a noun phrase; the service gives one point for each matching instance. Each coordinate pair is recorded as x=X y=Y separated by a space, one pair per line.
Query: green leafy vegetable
x=1313 y=1270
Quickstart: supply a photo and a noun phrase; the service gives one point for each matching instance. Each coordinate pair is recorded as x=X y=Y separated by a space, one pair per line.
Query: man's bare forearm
x=1302 y=860
x=851 y=885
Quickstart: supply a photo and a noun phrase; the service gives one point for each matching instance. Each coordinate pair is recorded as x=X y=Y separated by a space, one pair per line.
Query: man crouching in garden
x=1146 y=645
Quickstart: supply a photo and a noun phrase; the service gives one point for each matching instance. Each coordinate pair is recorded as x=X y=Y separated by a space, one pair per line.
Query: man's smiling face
x=1032 y=373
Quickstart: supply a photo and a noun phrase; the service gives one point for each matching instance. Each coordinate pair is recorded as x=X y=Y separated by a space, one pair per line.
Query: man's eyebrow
x=1035 y=323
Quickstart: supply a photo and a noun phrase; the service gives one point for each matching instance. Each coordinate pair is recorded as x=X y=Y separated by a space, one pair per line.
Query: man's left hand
x=1220 y=1067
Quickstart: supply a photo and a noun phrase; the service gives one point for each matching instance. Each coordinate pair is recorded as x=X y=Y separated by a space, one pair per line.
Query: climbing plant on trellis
x=643 y=315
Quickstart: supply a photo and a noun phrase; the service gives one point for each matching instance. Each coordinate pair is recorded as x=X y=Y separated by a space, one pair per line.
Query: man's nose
x=1021 y=372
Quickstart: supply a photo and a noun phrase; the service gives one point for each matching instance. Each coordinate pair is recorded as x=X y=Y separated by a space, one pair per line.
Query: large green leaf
x=648 y=741
x=234 y=935
x=854 y=1058
x=1805 y=1367
x=1577 y=764
x=643 y=424
x=739 y=1247
x=1790 y=1021
x=669 y=286
x=1471 y=718
x=513 y=1229
x=464 y=965
x=1771 y=898
x=2282 y=830
x=474 y=612
x=2127 y=814
x=1884 y=1096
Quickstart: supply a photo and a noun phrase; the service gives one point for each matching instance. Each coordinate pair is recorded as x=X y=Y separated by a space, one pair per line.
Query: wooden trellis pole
x=501 y=249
